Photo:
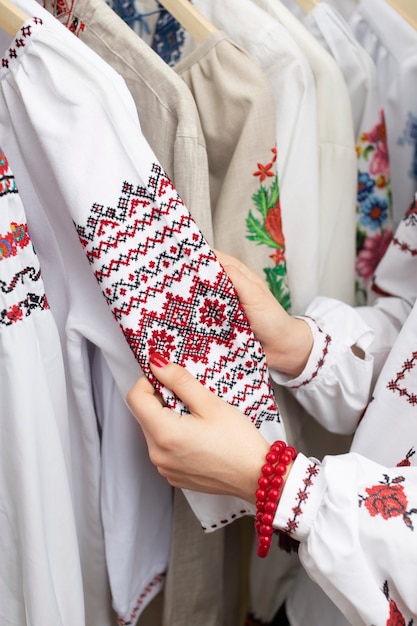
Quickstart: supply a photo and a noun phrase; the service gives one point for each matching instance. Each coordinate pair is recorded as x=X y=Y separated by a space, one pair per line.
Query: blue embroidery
x=169 y=38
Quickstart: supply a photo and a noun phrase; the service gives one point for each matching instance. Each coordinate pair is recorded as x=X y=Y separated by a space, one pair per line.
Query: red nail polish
x=158 y=359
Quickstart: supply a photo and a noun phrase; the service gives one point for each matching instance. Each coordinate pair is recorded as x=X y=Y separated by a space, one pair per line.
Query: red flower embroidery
x=264 y=171
x=372 y=251
x=273 y=224
x=388 y=499
x=395 y=617
x=161 y=342
x=212 y=313
x=14 y=314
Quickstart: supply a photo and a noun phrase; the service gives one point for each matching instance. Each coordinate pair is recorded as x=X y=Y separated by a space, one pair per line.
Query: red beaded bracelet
x=270 y=484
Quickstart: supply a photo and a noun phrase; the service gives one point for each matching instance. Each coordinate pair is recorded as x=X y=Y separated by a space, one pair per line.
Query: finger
x=184 y=385
x=244 y=280
x=144 y=401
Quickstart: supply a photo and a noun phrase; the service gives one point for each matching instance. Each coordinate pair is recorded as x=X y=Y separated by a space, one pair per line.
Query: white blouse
x=355 y=514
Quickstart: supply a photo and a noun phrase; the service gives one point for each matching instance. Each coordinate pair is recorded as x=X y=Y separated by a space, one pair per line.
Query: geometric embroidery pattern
x=169 y=294
x=395 y=384
x=303 y=495
x=20 y=41
x=327 y=341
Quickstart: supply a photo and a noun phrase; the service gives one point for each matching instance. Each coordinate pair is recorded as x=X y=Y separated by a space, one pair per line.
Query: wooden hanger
x=307 y=5
x=199 y=27
x=11 y=17
x=407 y=9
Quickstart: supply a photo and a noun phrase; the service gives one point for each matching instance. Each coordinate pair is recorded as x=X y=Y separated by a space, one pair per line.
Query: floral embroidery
x=268 y=230
x=16 y=238
x=389 y=500
x=395 y=618
x=374 y=205
x=406 y=461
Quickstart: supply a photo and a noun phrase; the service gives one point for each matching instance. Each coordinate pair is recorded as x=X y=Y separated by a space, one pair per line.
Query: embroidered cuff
x=315 y=361
x=301 y=498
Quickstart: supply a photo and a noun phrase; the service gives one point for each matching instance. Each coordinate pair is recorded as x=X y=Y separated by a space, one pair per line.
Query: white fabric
x=374 y=206
x=332 y=508
x=291 y=79
x=337 y=160
x=392 y=43
x=40 y=574
x=83 y=319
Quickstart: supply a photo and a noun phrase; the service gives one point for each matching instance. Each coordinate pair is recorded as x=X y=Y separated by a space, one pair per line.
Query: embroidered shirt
x=349 y=508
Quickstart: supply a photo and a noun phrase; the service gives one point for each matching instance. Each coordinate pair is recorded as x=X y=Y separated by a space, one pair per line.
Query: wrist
x=291 y=348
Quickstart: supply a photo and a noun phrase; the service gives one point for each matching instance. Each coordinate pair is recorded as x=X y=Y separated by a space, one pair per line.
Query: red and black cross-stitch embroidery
x=405 y=462
x=397 y=384
x=395 y=617
x=388 y=499
x=302 y=497
x=19 y=310
x=20 y=41
x=169 y=294
x=320 y=362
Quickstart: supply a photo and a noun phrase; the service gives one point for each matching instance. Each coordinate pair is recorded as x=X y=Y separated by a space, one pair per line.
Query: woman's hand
x=214 y=449
x=287 y=341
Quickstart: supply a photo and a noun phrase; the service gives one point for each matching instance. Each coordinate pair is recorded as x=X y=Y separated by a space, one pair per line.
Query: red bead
x=267 y=469
x=280 y=469
x=293 y=452
x=278 y=446
x=267 y=518
x=273 y=494
x=263 y=482
x=261 y=494
x=277 y=481
x=264 y=540
x=260 y=505
x=286 y=458
x=265 y=530
x=262 y=552
x=270 y=506
x=272 y=457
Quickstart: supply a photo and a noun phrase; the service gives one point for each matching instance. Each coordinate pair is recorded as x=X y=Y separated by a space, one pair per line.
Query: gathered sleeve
x=336 y=384
x=356 y=523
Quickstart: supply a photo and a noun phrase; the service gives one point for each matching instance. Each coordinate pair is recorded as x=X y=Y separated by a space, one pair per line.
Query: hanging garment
x=392 y=43
x=337 y=159
x=135 y=177
x=294 y=94
x=40 y=576
x=170 y=123
x=167 y=112
x=236 y=109
x=344 y=529
x=84 y=319
x=374 y=207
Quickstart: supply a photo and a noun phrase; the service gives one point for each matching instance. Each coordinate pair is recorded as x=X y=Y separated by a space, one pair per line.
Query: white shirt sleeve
x=355 y=520
x=336 y=385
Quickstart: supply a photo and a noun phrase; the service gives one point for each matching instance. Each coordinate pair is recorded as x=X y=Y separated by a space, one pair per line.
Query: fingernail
x=158 y=359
